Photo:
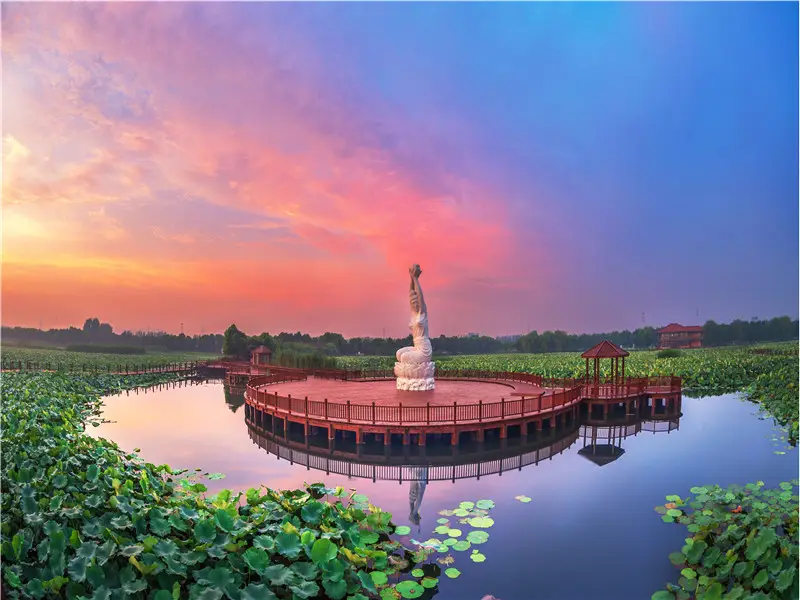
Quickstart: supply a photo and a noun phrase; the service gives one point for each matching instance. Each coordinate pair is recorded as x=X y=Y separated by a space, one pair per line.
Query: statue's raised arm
x=417 y=299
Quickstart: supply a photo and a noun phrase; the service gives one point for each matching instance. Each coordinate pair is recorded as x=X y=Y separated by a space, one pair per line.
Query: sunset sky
x=279 y=166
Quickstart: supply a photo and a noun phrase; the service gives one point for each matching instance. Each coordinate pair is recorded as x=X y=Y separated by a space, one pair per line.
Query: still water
x=589 y=531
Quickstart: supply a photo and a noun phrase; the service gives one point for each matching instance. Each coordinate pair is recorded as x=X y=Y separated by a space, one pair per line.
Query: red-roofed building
x=680 y=336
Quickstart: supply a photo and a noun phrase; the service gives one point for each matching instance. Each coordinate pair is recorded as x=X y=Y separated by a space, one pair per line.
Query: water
x=589 y=532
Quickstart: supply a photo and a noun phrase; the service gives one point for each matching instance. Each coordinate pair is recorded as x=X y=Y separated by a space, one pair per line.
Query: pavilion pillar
x=587 y=369
x=623 y=369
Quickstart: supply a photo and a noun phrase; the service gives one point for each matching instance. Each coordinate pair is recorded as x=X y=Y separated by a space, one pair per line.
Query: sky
x=586 y=167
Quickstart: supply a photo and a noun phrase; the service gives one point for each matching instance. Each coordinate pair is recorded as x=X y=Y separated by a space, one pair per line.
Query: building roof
x=262 y=350
x=677 y=328
x=605 y=349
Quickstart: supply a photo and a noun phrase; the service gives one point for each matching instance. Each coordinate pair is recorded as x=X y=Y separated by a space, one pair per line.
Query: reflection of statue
x=414 y=368
x=415 y=494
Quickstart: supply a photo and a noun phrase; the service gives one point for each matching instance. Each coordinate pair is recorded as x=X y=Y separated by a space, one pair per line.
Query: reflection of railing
x=402 y=473
x=660 y=426
x=427 y=414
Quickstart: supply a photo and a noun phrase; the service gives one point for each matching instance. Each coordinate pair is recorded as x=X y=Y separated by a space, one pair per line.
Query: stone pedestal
x=415 y=376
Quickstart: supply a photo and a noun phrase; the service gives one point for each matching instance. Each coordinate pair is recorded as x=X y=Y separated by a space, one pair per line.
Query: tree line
x=305 y=347
x=97 y=333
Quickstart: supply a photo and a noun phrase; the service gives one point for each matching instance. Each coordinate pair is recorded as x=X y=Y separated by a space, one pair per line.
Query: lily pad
x=461 y=545
x=403 y=530
x=417 y=573
x=409 y=589
x=429 y=582
x=454 y=533
x=379 y=577
x=481 y=522
x=485 y=504
x=477 y=537
x=477 y=557
x=523 y=499
x=460 y=512
x=443 y=521
x=442 y=529
x=452 y=572
x=467 y=505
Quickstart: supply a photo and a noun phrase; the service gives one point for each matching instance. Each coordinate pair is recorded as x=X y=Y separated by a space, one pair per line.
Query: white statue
x=414 y=369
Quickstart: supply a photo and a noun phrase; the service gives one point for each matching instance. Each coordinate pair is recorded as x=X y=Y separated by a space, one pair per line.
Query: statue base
x=415 y=377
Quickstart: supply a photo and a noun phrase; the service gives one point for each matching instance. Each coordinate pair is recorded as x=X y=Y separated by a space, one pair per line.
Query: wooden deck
x=368 y=402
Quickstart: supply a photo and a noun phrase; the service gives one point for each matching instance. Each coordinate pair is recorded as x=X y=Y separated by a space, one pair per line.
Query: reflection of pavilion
x=602 y=441
x=439 y=462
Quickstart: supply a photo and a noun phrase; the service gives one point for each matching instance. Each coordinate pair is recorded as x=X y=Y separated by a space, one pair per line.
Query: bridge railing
x=108 y=368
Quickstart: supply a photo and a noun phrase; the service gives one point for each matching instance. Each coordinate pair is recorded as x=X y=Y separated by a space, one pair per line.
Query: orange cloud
x=111 y=131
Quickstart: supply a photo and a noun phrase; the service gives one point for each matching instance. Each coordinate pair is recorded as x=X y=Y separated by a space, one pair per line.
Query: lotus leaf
x=452 y=572
x=477 y=537
x=481 y=522
x=410 y=589
x=429 y=582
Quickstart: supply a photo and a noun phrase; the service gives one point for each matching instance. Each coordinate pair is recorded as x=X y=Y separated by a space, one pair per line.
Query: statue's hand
x=415 y=271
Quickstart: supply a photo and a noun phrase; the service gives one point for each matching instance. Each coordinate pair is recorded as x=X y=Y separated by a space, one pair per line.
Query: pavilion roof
x=262 y=350
x=605 y=349
x=677 y=328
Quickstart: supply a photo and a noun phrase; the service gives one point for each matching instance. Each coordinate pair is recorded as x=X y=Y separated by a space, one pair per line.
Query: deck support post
x=479 y=435
x=421 y=438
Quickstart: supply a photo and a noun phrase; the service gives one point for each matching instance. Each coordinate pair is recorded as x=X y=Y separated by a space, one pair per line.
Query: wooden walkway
x=533 y=403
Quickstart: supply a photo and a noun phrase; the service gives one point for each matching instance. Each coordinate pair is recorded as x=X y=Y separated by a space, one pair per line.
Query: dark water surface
x=590 y=532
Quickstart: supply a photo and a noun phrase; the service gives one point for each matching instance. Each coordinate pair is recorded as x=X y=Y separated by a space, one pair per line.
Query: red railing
x=427 y=414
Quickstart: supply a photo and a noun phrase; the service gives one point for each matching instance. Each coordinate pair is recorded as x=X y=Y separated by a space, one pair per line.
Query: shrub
x=669 y=353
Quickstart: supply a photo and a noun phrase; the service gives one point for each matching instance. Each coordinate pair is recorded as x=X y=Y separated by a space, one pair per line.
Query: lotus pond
x=562 y=529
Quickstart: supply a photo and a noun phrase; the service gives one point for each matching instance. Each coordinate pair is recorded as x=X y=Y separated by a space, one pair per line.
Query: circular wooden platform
x=385 y=392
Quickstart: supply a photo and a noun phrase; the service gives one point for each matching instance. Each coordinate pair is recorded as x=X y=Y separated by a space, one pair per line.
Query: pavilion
x=606 y=349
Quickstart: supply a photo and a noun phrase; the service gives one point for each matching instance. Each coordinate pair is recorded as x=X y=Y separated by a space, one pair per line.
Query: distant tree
x=91 y=325
x=234 y=343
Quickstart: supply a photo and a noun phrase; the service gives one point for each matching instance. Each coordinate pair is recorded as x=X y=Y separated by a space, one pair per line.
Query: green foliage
x=65 y=360
x=82 y=518
x=669 y=353
x=744 y=541
x=235 y=343
x=105 y=349
x=777 y=392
